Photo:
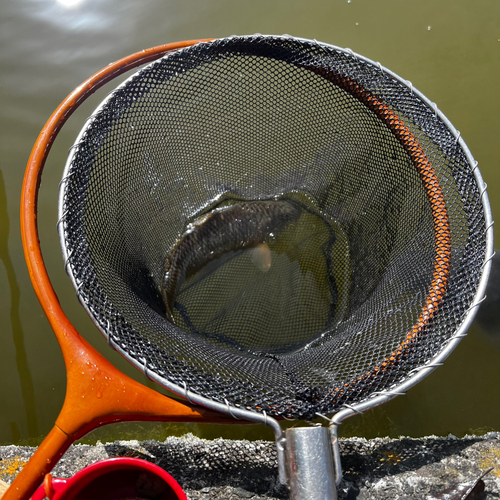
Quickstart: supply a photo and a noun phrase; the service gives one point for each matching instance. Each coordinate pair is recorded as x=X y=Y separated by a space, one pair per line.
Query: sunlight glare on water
x=70 y=3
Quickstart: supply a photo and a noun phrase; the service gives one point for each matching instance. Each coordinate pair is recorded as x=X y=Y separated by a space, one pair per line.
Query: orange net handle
x=36 y=162
x=102 y=394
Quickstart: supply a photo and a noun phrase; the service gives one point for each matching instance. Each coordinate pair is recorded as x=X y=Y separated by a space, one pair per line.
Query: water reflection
x=23 y=369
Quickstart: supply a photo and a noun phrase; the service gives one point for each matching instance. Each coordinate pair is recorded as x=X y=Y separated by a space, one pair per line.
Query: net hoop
x=441 y=267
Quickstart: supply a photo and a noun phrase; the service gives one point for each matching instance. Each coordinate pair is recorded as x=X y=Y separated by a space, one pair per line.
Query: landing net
x=376 y=271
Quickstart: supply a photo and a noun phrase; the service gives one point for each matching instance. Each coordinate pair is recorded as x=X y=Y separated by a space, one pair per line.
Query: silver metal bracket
x=310 y=463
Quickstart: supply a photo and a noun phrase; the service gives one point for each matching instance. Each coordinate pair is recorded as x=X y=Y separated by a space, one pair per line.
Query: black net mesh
x=328 y=308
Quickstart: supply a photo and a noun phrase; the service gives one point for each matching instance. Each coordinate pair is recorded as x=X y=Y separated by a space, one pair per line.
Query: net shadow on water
x=23 y=369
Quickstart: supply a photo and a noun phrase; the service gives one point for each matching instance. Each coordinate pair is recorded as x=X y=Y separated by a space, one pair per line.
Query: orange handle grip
x=41 y=463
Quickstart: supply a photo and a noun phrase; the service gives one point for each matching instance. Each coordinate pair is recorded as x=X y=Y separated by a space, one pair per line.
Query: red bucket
x=114 y=479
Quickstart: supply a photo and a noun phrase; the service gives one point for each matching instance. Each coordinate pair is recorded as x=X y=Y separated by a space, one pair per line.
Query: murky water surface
x=450 y=50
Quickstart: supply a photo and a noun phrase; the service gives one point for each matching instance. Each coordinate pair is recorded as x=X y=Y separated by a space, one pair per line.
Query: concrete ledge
x=385 y=468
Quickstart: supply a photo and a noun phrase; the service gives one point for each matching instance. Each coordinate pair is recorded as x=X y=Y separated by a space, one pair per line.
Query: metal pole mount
x=309 y=461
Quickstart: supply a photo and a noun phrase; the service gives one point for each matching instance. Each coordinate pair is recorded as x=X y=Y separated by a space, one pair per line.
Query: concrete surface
x=396 y=469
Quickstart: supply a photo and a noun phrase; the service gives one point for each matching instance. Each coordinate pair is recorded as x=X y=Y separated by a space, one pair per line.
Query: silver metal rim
x=347 y=411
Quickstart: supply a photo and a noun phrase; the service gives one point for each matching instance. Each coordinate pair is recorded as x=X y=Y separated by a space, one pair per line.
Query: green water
x=450 y=50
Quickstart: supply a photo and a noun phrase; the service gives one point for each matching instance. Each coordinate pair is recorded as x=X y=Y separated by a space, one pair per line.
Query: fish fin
x=200 y=220
x=260 y=255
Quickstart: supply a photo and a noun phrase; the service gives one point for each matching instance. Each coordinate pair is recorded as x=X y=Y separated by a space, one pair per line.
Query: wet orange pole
x=97 y=393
